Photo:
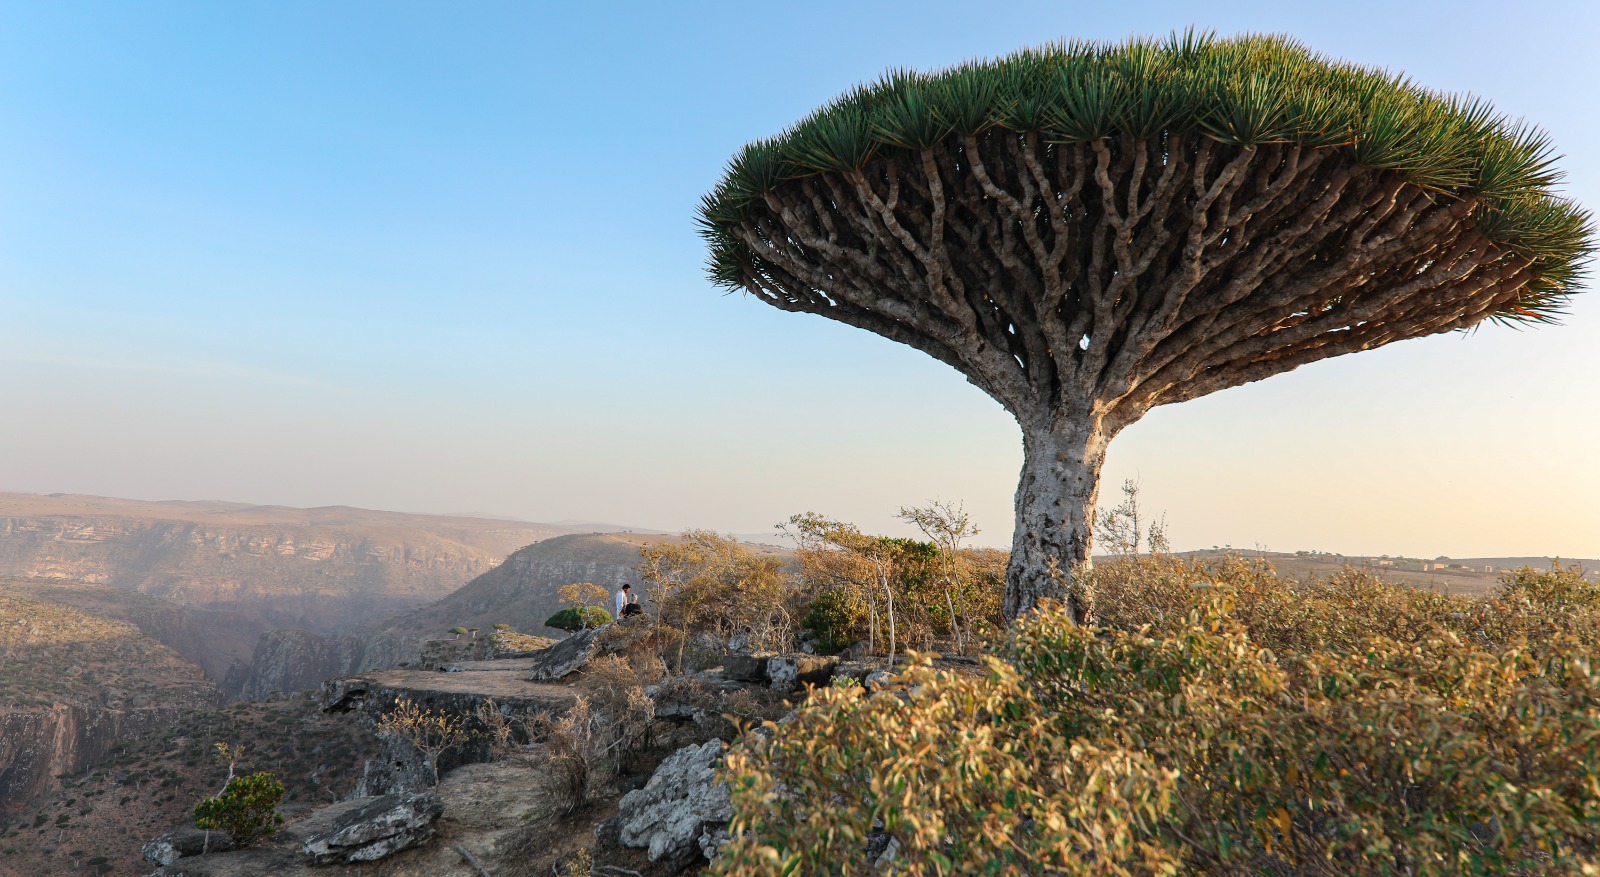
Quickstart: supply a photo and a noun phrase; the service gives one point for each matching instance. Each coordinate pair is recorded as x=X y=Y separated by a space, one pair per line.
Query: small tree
x=246 y=808
x=946 y=525
x=458 y=631
x=587 y=596
x=1122 y=530
x=576 y=618
x=430 y=733
x=884 y=557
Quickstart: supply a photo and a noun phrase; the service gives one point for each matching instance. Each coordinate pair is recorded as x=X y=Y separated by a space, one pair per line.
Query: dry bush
x=710 y=584
x=569 y=742
x=586 y=743
x=498 y=730
x=1221 y=722
x=430 y=733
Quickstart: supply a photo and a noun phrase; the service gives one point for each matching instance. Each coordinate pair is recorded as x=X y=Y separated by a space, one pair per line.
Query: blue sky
x=441 y=257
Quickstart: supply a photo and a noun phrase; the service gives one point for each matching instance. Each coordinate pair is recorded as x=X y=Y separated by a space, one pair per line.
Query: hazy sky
x=441 y=257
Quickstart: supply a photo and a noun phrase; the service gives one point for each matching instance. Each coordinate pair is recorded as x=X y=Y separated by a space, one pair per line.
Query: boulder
x=566 y=656
x=375 y=827
x=791 y=672
x=682 y=813
x=746 y=668
x=695 y=696
x=181 y=842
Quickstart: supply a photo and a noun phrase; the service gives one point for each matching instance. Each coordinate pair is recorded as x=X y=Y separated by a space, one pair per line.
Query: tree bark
x=1061 y=460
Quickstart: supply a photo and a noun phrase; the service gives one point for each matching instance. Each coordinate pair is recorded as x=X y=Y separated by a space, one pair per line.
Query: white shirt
x=622 y=600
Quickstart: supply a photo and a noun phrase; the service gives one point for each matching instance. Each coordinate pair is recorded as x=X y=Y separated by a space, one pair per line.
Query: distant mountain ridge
x=319 y=569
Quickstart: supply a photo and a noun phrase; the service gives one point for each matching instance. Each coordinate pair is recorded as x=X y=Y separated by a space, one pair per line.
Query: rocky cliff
x=73 y=685
x=41 y=743
x=299 y=660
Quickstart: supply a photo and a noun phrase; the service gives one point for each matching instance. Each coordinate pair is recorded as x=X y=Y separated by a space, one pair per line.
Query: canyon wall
x=39 y=744
x=73 y=685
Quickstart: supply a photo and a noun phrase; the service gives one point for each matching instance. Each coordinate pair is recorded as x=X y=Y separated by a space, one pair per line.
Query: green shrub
x=245 y=809
x=1220 y=721
x=834 y=618
x=578 y=618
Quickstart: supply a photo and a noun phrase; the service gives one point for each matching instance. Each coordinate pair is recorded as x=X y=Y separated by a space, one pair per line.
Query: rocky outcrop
x=181 y=842
x=368 y=829
x=782 y=672
x=488 y=807
x=438 y=654
x=566 y=657
x=746 y=668
x=464 y=693
x=682 y=813
x=792 y=672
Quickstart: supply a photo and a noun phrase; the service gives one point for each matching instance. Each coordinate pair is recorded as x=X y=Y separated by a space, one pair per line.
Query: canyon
x=521 y=592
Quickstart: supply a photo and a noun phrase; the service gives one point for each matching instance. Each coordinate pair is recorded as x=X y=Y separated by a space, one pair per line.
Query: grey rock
x=790 y=672
x=712 y=841
x=746 y=668
x=678 y=815
x=180 y=842
x=567 y=656
x=376 y=828
x=857 y=670
x=609 y=832
x=885 y=860
x=694 y=696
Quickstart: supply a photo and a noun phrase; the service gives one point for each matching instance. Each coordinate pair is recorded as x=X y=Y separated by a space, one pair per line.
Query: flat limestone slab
x=504 y=681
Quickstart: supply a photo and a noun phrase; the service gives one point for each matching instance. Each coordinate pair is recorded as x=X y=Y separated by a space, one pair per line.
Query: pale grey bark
x=1055 y=502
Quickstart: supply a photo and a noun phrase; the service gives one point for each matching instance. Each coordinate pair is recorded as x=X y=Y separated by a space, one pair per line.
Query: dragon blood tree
x=1087 y=231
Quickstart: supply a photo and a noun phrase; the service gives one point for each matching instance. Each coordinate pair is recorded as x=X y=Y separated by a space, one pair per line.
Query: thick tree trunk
x=1056 y=496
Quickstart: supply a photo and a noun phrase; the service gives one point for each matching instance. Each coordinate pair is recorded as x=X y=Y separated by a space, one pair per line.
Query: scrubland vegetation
x=1213 y=720
x=53 y=653
x=153 y=784
x=841 y=589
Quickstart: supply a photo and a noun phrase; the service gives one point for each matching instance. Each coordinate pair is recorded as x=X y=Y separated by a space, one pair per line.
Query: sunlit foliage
x=1221 y=721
